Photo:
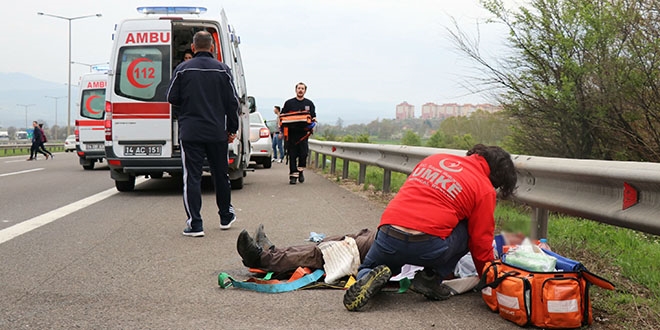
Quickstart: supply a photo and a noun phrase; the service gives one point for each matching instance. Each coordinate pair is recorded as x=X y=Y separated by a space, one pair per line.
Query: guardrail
x=623 y=194
x=24 y=148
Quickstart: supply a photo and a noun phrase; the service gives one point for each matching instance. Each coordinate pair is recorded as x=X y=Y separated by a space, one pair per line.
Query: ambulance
x=90 y=129
x=141 y=131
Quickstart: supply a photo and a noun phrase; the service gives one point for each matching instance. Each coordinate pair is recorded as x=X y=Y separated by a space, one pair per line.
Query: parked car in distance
x=261 y=143
x=70 y=143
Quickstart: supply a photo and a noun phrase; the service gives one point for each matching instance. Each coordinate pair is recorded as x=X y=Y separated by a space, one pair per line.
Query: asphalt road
x=122 y=263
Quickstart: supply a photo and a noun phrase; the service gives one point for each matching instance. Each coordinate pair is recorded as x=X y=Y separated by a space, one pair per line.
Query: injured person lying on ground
x=341 y=255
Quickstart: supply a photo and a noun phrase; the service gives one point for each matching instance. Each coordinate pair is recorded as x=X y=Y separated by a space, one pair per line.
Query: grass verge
x=25 y=150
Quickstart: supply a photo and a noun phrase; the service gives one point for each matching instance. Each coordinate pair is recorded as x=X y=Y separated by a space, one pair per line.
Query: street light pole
x=26 y=107
x=68 y=123
x=55 y=98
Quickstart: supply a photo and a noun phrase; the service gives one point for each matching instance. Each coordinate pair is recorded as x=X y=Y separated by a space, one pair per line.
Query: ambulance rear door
x=89 y=128
x=141 y=115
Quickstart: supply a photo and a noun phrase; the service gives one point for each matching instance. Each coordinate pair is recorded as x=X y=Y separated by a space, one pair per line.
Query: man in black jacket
x=208 y=109
x=297 y=146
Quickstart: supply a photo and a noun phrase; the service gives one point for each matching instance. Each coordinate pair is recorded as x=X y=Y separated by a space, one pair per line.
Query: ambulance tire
x=89 y=166
x=267 y=163
x=237 y=184
x=125 y=186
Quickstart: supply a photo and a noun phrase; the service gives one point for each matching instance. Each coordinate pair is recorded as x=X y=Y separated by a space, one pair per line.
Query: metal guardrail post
x=333 y=164
x=344 y=170
x=323 y=163
x=539 y=223
x=387 y=181
x=316 y=159
x=363 y=173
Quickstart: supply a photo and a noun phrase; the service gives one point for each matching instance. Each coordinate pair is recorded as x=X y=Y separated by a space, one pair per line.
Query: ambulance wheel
x=124 y=186
x=89 y=166
x=267 y=163
x=237 y=184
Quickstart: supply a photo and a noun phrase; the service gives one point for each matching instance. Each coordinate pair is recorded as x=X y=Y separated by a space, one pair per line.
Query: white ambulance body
x=141 y=132
x=90 y=131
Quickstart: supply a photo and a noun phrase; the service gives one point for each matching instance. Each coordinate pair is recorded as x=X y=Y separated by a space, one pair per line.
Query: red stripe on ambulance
x=154 y=110
x=82 y=122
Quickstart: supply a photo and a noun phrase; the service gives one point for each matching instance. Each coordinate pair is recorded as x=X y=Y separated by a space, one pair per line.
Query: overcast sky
x=366 y=50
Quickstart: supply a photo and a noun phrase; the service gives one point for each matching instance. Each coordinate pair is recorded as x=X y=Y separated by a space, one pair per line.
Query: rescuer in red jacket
x=444 y=210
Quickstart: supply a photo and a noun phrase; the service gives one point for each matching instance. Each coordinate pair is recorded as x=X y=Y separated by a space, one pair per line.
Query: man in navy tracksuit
x=202 y=88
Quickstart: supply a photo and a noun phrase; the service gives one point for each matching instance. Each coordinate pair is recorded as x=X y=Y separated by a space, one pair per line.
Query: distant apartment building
x=442 y=111
x=405 y=110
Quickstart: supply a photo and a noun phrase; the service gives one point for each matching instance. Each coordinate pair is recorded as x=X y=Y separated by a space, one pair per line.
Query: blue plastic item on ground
x=566 y=264
x=316 y=237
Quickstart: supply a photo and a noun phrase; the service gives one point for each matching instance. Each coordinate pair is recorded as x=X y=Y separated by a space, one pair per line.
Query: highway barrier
x=24 y=148
x=623 y=194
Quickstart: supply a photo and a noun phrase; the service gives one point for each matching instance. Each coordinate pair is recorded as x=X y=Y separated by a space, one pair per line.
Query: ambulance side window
x=93 y=104
x=143 y=73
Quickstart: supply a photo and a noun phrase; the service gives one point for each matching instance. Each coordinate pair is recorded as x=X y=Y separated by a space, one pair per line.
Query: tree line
x=453 y=133
x=580 y=79
x=54 y=133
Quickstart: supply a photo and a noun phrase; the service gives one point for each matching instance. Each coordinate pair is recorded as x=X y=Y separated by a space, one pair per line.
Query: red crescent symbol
x=131 y=68
x=454 y=167
x=88 y=105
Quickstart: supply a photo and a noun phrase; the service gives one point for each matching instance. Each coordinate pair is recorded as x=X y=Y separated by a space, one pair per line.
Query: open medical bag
x=558 y=299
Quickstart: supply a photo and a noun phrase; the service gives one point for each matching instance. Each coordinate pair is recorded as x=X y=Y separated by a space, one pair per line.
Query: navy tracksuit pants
x=192 y=157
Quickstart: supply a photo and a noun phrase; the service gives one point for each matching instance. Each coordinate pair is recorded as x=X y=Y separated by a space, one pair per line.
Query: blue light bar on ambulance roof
x=171 y=10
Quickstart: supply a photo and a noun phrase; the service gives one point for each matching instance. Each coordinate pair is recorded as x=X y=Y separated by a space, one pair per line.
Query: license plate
x=142 y=150
x=94 y=146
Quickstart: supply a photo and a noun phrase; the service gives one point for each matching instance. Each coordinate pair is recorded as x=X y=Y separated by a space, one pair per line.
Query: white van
x=141 y=132
x=90 y=131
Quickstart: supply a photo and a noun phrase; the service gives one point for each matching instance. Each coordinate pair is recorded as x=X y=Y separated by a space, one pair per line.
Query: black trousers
x=192 y=157
x=36 y=147
x=297 y=154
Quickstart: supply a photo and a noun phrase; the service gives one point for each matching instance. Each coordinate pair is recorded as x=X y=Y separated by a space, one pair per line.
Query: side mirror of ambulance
x=252 y=104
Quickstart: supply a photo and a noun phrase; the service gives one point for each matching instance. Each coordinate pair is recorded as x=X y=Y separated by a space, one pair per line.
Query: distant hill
x=19 y=88
x=16 y=81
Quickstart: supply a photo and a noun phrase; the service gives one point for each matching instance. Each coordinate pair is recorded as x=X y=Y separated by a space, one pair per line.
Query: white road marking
x=14 y=161
x=46 y=218
x=22 y=172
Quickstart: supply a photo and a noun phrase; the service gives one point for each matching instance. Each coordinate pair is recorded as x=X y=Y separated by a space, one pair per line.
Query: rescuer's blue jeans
x=394 y=250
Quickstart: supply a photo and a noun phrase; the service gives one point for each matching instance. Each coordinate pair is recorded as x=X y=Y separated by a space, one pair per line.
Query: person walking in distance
x=208 y=111
x=296 y=138
x=43 y=140
x=37 y=135
x=278 y=148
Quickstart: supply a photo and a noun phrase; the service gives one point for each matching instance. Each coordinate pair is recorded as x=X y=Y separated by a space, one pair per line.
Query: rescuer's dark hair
x=502 y=170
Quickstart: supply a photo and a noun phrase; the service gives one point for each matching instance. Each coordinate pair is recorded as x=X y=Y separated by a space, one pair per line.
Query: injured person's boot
x=248 y=250
x=428 y=283
x=262 y=239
